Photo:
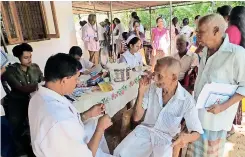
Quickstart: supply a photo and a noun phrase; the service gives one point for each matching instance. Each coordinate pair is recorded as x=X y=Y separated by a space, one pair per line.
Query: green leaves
x=181 y=12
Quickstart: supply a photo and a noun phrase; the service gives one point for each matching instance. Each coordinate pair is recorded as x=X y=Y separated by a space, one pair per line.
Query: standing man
x=90 y=38
x=55 y=125
x=23 y=79
x=222 y=62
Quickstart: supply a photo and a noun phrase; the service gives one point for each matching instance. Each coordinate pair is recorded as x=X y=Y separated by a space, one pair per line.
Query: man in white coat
x=55 y=125
x=166 y=103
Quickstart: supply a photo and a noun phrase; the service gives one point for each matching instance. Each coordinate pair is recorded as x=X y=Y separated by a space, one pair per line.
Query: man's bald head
x=172 y=65
x=167 y=72
x=211 y=29
x=182 y=44
x=214 y=20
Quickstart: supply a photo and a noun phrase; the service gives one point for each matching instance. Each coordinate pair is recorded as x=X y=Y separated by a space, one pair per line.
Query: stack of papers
x=216 y=93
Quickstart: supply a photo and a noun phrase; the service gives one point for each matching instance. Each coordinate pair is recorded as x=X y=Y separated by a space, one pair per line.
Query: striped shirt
x=160 y=125
x=167 y=119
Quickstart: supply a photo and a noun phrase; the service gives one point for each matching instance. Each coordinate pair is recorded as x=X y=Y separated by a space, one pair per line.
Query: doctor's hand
x=96 y=110
x=144 y=84
x=215 y=109
x=104 y=123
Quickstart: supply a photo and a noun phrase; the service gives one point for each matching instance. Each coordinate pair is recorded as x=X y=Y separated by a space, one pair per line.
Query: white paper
x=97 y=68
x=216 y=93
x=4 y=59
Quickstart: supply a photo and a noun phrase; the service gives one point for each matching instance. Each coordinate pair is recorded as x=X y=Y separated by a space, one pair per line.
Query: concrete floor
x=235 y=145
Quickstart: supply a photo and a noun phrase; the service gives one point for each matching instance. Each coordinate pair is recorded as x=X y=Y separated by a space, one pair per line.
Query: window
x=26 y=21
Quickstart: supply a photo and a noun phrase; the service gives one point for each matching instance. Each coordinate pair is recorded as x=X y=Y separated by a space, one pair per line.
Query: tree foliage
x=189 y=11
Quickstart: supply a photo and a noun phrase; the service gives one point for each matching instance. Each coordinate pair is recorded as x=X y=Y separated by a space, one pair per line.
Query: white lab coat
x=153 y=138
x=56 y=127
x=132 y=60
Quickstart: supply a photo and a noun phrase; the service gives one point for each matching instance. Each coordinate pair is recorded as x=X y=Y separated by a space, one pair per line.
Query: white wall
x=42 y=50
x=100 y=18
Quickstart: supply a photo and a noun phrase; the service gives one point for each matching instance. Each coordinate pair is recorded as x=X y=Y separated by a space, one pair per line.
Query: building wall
x=42 y=50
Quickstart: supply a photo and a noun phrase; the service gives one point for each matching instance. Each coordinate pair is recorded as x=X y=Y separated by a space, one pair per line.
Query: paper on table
x=216 y=93
x=98 y=68
x=105 y=87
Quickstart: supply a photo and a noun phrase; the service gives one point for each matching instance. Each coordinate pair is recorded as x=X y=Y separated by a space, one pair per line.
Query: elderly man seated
x=188 y=60
x=166 y=103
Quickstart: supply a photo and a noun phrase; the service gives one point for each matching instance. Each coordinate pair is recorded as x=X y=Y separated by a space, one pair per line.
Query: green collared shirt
x=16 y=77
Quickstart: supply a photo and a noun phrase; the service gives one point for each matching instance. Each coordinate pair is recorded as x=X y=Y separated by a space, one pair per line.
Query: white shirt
x=133 y=60
x=154 y=135
x=3 y=94
x=101 y=31
x=187 y=62
x=55 y=125
x=86 y=64
x=120 y=29
x=167 y=119
x=142 y=30
x=187 y=30
x=224 y=66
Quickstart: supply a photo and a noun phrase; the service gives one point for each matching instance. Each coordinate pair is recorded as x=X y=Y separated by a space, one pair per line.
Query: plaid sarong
x=210 y=144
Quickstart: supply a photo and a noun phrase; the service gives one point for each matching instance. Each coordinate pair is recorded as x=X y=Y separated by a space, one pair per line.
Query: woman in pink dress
x=160 y=41
x=236 y=33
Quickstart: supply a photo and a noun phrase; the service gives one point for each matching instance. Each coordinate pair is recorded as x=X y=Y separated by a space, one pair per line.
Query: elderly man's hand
x=144 y=84
x=215 y=109
x=182 y=141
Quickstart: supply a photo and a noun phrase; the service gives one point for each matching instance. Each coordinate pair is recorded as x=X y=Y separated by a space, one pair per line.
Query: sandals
x=230 y=133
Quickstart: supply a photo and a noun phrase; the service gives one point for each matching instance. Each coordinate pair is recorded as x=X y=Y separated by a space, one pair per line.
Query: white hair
x=215 y=20
x=173 y=65
x=182 y=37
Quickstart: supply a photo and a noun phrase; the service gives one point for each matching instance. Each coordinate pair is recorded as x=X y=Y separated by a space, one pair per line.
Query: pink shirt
x=88 y=34
x=234 y=34
x=161 y=39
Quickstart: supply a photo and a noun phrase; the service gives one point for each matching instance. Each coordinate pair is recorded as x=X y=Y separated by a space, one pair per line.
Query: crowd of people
x=166 y=98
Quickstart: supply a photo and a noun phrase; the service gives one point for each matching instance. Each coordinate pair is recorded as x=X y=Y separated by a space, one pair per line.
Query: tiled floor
x=235 y=146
